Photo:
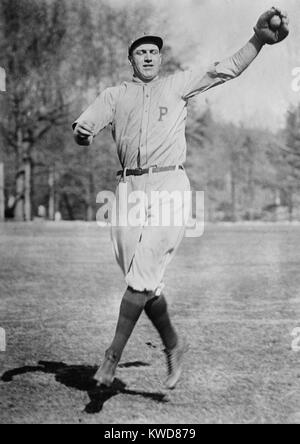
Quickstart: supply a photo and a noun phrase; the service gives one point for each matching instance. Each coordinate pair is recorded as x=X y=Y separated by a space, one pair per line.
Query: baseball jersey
x=148 y=119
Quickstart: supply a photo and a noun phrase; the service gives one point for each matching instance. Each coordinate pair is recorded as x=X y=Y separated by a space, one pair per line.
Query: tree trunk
x=51 y=208
x=90 y=213
x=233 y=198
x=23 y=180
x=2 y=198
x=91 y=196
x=19 y=206
x=291 y=206
x=277 y=203
x=27 y=190
x=57 y=203
x=68 y=206
x=251 y=192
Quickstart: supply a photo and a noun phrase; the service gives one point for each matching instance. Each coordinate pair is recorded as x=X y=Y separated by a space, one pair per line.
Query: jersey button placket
x=143 y=144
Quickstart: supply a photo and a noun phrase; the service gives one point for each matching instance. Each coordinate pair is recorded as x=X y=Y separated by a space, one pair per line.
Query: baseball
x=275 y=22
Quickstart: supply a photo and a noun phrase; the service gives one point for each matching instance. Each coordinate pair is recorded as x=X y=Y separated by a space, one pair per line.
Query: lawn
x=234 y=294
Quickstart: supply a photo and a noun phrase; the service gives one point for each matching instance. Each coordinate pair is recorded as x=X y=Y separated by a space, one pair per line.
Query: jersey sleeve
x=219 y=72
x=101 y=112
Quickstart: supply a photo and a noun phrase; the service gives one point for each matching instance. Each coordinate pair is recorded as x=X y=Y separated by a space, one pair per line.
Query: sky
x=204 y=31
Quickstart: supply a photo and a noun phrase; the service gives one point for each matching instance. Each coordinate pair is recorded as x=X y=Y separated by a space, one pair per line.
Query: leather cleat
x=106 y=373
x=174 y=364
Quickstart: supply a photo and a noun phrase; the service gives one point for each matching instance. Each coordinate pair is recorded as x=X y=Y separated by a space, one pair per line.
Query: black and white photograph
x=149 y=214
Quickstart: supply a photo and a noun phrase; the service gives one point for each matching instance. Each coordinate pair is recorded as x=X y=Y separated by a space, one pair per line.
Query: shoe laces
x=111 y=356
x=171 y=359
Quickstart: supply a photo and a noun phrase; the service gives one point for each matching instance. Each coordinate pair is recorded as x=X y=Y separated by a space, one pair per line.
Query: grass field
x=234 y=293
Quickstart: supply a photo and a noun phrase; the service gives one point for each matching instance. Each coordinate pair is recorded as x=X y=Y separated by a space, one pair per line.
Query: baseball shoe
x=106 y=373
x=174 y=364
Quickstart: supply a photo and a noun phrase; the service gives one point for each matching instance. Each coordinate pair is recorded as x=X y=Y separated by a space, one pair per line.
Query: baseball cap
x=145 y=38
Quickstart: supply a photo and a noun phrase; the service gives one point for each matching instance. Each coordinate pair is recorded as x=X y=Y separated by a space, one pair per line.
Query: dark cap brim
x=158 y=41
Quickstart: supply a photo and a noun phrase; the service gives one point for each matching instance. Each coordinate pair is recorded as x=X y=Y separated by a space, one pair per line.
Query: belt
x=141 y=171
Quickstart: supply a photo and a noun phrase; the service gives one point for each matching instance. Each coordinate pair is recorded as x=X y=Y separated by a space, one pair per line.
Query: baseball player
x=147 y=116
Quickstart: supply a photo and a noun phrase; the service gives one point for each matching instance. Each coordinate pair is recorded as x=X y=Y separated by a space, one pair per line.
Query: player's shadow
x=81 y=377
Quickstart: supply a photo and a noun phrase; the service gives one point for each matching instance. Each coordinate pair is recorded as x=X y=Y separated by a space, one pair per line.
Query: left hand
x=264 y=32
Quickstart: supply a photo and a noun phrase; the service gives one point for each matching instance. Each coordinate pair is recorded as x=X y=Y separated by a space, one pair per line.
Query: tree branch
x=288 y=151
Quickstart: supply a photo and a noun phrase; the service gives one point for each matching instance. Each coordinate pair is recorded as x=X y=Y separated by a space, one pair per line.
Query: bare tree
x=32 y=37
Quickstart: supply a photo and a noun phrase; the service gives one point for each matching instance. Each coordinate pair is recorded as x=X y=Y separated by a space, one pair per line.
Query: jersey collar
x=140 y=82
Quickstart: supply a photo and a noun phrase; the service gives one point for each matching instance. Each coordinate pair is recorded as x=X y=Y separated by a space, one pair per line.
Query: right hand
x=84 y=132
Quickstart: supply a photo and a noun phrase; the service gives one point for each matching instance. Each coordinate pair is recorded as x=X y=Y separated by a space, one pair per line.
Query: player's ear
x=130 y=60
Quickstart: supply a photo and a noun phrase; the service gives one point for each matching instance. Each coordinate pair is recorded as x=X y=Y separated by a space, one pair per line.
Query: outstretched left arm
x=265 y=33
x=232 y=67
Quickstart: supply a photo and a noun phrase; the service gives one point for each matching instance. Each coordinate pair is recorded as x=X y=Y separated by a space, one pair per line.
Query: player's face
x=146 y=61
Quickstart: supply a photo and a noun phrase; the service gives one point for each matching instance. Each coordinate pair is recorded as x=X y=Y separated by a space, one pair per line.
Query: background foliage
x=58 y=55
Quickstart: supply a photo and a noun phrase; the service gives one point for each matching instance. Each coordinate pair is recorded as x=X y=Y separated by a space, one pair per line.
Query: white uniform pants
x=148 y=224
